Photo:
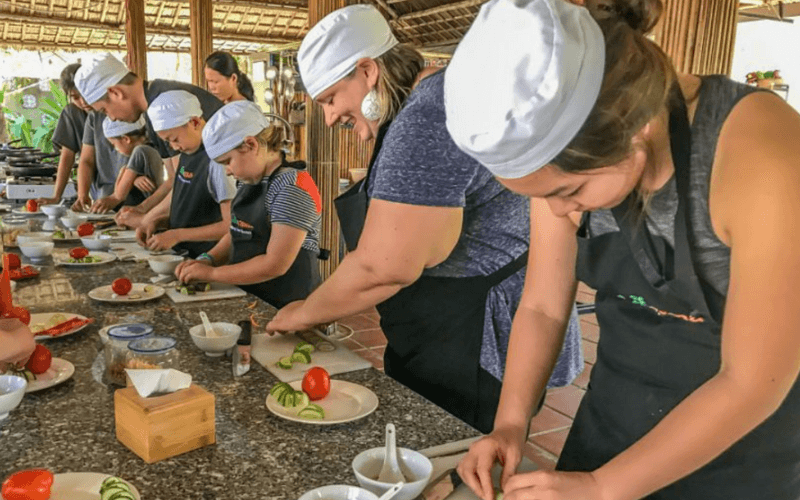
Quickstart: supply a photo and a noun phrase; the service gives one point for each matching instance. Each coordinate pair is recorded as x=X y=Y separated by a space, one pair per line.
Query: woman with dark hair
x=675 y=197
x=225 y=80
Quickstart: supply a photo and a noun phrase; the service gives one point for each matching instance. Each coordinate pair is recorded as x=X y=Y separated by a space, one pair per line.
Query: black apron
x=251 y=228
x=192 y=205
x=660 y=341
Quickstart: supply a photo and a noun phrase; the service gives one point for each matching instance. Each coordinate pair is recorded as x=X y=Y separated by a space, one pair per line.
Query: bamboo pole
x=201 y=30
x=135 y=33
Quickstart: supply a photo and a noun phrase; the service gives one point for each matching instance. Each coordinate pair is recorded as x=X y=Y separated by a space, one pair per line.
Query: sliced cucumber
x=285 y=363
x=301 y=357
x=312 y=412
x=303 y=402
x=280 y=388
x=304 y=346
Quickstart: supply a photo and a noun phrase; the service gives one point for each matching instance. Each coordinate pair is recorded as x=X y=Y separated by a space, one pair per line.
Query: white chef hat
x=230 y=125
x=114 y=128
x=332 y=47
x=522 y=83
x=94 y=77
x=172 y=109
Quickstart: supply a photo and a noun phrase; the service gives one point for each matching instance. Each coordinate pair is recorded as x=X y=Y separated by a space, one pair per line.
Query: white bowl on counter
x=53 y=211
x=416 y=468
x=12 y=390
x=164 y=264
x=26 y=238
x=339 y=492
x=216 y=346
x=37 y=250
x=72 y=221
x=96 y=242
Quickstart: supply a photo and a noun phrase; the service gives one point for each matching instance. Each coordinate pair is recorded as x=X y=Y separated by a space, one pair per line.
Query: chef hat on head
x=541 y=65
x=331 y=48
x=173 y=109
x=113 y=128
x=230 y=125
x=94 y=77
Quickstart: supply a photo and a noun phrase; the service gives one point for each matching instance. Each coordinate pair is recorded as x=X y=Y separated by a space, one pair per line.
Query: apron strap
x=507 y=271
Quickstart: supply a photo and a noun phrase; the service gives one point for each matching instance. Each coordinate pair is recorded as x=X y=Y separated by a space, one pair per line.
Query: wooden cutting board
x=218 y=291
x=462 y=491
x=267 y=350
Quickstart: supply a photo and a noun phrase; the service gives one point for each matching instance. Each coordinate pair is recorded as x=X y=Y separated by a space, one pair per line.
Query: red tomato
x=31 y=484
x=32 y=206
x=78 y=252
x=11 y=261
x=316 y=383
x=86 y=229
x=40 y=360
x=121 y=286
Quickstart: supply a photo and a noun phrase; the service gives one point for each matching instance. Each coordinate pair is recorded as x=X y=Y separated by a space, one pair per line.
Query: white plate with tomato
x=45 y=321
x=345 y=402
x=60 y=371
x=138 y=292
x=85 y=258
x=41 y=483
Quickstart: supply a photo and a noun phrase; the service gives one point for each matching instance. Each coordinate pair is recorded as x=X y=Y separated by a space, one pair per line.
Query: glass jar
x=152 y=353
x=11 y=227
x=116 y=349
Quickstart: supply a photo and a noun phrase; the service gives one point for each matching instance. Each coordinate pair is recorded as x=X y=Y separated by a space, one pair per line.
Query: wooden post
x=135 y=37
x=201 y=30
x=322 y=154
x=699 y=35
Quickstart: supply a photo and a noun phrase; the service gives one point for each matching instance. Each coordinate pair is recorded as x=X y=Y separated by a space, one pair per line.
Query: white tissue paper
x=149 y=382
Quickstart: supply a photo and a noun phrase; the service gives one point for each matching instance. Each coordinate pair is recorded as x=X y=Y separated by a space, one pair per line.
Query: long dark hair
x=67 y=79
x=224 y=64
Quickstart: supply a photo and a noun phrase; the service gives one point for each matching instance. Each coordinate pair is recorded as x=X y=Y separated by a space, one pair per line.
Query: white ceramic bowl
x=416 y=467
x=338 y=492
x=37 y=249
x=72 y=222
x=164 y=264
x=53 y=211
x=216 y=346
x=23 y=239
x=97 y=242
x=12 y=389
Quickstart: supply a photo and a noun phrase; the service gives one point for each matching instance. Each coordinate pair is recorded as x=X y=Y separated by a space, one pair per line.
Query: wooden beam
x=464 y=4
x=201 y=30
x=135 y=32
x=385 y=6
x=158 y=15
x=258 y=22
x=288 y=24
x=427 y=24
x=105 y=11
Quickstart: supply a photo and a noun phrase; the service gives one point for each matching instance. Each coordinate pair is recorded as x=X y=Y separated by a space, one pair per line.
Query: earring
x=370 y=107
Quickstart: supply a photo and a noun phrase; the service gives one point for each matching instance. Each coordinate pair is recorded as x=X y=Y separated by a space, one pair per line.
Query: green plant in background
x=41 y=137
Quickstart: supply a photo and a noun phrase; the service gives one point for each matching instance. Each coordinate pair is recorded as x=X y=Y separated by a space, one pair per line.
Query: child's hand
x=144 y=184
x=194 y=270
x=104 y=205
x=82 y=204
x=162 y=241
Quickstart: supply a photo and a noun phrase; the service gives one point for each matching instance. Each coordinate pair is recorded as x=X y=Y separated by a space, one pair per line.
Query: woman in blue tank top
x=695 y=393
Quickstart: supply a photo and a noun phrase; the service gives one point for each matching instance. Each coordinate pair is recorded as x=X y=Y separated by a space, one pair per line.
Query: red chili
x=66 y=326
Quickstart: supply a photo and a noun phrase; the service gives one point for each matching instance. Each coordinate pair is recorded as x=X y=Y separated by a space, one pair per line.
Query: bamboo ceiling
x=240 y=26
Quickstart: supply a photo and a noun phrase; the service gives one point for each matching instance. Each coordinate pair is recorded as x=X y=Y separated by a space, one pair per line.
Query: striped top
x=294 y=200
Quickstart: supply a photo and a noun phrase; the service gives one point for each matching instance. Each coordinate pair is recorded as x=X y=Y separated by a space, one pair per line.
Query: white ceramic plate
x=118 y=235
x=81 y=486
x=105 y=256
x=98 y=217
x=5 y=207
x=60 y=371
x=137 y=293
x=68 y=236
x=345 y=403
x=44 y=318
x=24 y=211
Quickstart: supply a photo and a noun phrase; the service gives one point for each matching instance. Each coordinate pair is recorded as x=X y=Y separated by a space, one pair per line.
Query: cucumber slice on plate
x=280 y=388
x=312 y=412
x=303 y=401
x=301 y=357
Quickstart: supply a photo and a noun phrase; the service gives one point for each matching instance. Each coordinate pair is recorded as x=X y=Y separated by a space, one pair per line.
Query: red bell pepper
x=31 y=484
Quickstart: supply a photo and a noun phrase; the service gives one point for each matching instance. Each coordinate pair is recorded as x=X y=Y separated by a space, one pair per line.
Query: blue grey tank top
x=717 y=97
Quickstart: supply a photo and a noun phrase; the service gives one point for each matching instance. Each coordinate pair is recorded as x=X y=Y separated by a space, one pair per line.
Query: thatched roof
x=241 y=26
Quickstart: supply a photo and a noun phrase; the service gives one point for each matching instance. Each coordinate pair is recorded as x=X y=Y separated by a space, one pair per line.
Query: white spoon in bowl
x=210 y=332
x=391 y=492
x=390 y=472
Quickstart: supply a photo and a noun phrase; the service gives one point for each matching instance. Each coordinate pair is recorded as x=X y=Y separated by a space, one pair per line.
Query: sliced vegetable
x=279 y=389
x=312 y=412
x=285 y=363
x=304 y=346
x=301 y=357
x=114 y=488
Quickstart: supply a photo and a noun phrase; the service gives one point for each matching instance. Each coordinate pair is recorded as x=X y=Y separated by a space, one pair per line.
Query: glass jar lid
x=130 y=331
x=152 y=345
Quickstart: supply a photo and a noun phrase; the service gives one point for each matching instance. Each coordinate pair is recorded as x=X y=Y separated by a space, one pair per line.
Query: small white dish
x=104 y=257
x=227 y=335
x=346 y=402
x=164 y=264
x=72 y=222
x=82 y=486
x=60 y=371
x=44 y=321
x=416 y=467
x=12 y=390
x=140 y=292
x=338 y=492
x=23 y=239
x=96 y=242
x=53 y=211
x=37 y=250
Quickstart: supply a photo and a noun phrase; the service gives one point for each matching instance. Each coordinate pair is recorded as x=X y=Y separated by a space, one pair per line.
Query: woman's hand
x=289 y=319
x=194 y=270
x=552 y=485
x=163 y=241
x=144 y=184
x=503 y=445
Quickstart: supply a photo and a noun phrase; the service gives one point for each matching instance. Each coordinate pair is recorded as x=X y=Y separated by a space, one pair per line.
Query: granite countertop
x=70 y=427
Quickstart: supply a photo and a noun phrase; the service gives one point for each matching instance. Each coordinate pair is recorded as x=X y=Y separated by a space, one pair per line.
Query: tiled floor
x=550 y=427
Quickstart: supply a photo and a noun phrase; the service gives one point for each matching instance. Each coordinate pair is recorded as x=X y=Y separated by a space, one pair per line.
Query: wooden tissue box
x=161 y=427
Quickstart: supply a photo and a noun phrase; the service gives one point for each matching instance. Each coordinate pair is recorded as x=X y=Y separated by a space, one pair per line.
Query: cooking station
x=27 y=172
